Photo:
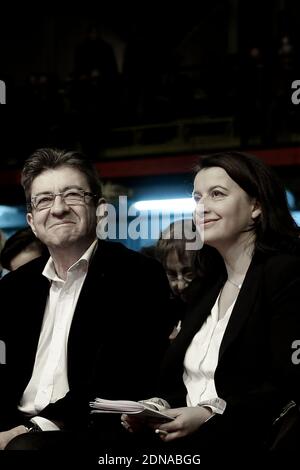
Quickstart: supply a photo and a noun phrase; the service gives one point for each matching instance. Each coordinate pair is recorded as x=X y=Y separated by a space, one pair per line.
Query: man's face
x=179 y=271
x=63 y=225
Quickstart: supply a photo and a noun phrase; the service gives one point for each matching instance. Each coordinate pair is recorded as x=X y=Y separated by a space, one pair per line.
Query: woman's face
x=224 y=211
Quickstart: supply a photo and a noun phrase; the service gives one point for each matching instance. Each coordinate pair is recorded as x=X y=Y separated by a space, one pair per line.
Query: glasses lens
x=73 y=197
x=187 y=277
x=43 y=201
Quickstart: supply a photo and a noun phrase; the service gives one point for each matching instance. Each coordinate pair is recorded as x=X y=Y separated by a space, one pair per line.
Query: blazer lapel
x=30 y=325
x=194 y=320
x=244 y=304
x=90 y=299
x=92 y=309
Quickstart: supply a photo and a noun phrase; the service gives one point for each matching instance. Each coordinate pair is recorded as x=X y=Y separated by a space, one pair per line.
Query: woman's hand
x=187 y=420
x=136 y=424
x=130 y=423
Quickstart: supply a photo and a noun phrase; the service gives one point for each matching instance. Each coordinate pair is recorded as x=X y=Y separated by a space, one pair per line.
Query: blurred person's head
x=180 y=263
x=21 y=248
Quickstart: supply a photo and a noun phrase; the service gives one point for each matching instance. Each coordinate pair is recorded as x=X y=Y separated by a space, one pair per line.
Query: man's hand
x=187 y=420
x=7 y=436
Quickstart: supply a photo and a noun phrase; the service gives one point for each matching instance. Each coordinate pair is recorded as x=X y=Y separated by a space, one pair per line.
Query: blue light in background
x=12 y=218
x=296 y=217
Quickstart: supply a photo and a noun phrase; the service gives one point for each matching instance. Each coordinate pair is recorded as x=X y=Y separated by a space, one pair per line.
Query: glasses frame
x=83 y=193
x=186 y=277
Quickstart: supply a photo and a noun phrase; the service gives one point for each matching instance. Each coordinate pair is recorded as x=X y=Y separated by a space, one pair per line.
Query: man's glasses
x=187 y=276
x=71 y=197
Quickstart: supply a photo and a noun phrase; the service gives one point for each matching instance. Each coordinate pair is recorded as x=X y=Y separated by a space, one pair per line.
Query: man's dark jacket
x=117 y=337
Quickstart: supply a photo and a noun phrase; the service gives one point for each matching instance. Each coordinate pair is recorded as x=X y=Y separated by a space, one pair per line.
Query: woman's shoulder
x=280 y=281
x=281 y=267
x=282 y=257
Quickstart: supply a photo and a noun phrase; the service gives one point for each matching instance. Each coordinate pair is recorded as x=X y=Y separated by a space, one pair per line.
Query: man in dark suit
x=90 y=321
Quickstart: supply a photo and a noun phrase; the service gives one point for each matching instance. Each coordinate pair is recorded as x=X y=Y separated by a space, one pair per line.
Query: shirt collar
x=82 y=263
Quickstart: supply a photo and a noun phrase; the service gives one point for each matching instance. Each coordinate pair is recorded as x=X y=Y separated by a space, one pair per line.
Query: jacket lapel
x=92 y=312
x=202 y=309
x=194 y=321
x=244 y=304
x=90 y=299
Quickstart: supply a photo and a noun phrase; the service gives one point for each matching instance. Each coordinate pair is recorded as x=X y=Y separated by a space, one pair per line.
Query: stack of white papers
x=100 y=405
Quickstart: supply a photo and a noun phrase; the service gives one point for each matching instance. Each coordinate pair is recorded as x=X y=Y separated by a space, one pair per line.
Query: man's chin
x=61 y=242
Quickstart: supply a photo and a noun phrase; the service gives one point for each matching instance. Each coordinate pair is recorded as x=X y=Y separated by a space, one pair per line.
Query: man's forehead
x=59 y=179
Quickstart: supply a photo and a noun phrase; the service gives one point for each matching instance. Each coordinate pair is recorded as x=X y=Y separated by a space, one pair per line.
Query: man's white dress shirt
x=49 y=380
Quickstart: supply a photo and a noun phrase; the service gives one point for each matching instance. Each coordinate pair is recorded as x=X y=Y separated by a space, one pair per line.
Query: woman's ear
x=256 y=210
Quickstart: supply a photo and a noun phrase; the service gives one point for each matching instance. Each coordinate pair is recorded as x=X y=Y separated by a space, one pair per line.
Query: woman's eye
x=216 y=193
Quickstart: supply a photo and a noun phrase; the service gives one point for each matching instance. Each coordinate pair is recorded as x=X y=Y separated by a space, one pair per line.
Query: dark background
x=157 y=86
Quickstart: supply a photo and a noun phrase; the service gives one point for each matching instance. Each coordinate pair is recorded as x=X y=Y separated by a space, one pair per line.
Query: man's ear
x=256 y=210
x=29 y=219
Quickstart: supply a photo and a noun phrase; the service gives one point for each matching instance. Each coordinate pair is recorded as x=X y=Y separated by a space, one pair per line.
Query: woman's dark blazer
x=256 y=373
x=117 y=338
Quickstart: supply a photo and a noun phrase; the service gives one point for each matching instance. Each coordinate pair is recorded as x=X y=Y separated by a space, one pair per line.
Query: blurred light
x=290 y=199
x=12 y=217
x=182 y=205
x=8 y=210
x=296 y=216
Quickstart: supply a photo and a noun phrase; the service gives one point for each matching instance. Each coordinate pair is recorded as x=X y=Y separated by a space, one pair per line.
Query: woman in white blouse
x=230 y=372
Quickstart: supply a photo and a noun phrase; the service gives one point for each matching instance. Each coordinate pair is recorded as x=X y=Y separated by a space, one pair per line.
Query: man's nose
x=179 y=283
x=59 y=206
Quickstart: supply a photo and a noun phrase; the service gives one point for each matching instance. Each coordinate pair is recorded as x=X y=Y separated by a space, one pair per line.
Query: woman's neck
x=237 y=259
